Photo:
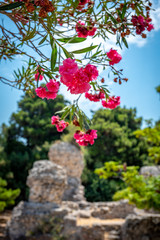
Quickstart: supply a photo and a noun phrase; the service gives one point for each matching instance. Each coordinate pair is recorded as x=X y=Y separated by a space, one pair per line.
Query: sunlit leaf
x=71 y=40
x=84 y=50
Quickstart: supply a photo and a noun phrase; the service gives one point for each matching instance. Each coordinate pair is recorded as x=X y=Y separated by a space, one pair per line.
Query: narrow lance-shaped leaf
x=31 y=35
x=43 y=40
x=125 y=42
x=53 y=57
x=11 y=6
x=66 y=113
x=84 y=50
x=71 y=40
x=67 y=54
x=124 y=10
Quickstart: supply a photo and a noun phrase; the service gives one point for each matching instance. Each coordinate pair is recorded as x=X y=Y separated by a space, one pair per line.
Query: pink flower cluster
x=111 y=103
x=114 y=57
x=142 y=24
x=38 y=75
x=83 y=139
x=77 y=80
x=52 y=87
x=83 y=31
x=60 y=124
x=95 y=97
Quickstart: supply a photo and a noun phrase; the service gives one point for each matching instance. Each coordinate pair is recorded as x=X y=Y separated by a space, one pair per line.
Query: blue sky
x=141 y=66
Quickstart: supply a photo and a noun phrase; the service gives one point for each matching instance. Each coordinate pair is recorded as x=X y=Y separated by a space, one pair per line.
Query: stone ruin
x=57 y=204
x=58 y=179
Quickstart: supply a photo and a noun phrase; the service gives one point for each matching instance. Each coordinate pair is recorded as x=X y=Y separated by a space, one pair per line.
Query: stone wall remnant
x=141 y=227
x=47 y=182
x=68 y=156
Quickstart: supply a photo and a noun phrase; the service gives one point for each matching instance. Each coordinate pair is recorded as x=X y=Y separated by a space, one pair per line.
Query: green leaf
x=94 y=55
x=31 y=35
x=66 y=113
x=67 y=54
x=84 y=50
x=125 y=42
x=112 y=18
x=11 y=6
x=71 y=40
x=43 y=40
x=53 y=57
x=124 y=10
x=75 y=4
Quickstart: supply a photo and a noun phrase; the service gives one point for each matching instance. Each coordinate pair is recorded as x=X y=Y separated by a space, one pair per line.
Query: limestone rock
x=109 y=210
x=74 y=191
x=47 y=182
x=27 y=217
x=146 y=227
x=150 y=171
x=68 y=156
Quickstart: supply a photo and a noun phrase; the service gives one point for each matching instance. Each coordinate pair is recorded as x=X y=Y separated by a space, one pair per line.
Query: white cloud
x=155 y=15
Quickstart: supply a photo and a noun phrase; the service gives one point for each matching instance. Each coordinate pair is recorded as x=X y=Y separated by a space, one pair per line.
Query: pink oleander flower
x=61 y=125
x=41 y=92
x=83 y=139
x=114 y=57
x=111 y=103
x=92 y=31
x=38 y=75
x=67 y=71
x=95 y=97
x=81 y=30
x=55 y=119
x=53 y=86
x=80 y=82
x=77 y=80
x=91 y=71
x=51 y=95
x=141 y=24
x=150 y=27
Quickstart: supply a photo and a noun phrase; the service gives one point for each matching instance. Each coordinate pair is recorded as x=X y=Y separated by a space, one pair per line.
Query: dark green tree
x=116 y=142
x=27 y=139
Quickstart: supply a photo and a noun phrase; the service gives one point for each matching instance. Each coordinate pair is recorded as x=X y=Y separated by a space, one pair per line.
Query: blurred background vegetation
x=29 y=135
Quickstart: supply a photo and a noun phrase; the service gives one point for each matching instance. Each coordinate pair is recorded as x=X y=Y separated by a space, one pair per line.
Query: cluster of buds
x=83 y=31
x=142 y=24
x=119 y=80
x=46 y=6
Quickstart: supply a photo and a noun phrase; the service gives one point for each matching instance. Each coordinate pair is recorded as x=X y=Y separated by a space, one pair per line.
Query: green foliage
x=116 y=142
x=7 y=196
x=142 y=191
x=152 y=135
x=27 y=139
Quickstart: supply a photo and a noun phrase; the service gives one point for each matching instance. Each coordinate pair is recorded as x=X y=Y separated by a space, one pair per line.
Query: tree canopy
x=27 y=139
x=116 y=142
